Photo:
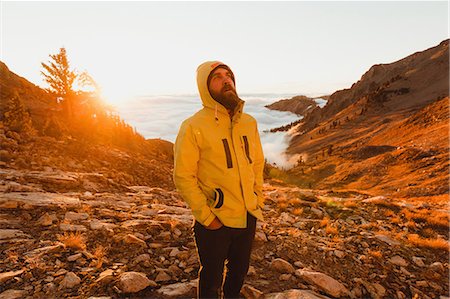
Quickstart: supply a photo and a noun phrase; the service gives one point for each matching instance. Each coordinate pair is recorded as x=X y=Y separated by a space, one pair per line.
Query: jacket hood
x=203 y=72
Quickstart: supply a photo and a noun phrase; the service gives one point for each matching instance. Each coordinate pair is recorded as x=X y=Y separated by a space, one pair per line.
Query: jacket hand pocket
x=218 y=198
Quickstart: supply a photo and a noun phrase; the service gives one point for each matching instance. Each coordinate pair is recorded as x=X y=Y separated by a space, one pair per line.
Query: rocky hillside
x=104 y=149
x=387 y=134
x=139 y=243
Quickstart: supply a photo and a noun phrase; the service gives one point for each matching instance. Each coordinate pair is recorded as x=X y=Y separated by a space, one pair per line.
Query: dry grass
x=433 y=243
x=430 y=217
x=99 y=254
x=396 y=220
x=388 y=213
x=297 y=211
x=12 y=257
x=331 y=230
x=411 y=224
x=73 y=240
x=375 y=253
x=282 y=206
x=295 y=202
x=350 y=204
x=324 y=222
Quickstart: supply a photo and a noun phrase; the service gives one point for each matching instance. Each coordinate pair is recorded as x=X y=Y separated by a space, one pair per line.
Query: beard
x=227 y=97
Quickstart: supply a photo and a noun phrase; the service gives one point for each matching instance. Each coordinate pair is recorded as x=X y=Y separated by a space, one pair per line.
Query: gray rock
x=251 y=292
x=13 y=294
x=418 y=261
x=437 y=267
x=340 y=254
x=46 y=220
x=72 y=227
x=387 y=240
x=282 y=266
x=70 y=280
x=162 y=276
x=74 y=257
x=105 y=277
x=96 y=224
x=72 y=216
x=324 y=282
x=295 y=294
x=132 y=239
x=398 y=261
x=181 y=289
x=260 y=236
x=5 y=276
x=132 y=282
x=39 y=199
x=12 y=233
x=317 y=212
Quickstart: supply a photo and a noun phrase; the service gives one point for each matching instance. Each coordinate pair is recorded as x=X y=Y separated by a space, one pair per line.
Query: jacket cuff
x=208 y=220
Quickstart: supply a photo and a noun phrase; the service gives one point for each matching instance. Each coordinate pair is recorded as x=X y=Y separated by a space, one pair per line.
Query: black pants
x=216 y=246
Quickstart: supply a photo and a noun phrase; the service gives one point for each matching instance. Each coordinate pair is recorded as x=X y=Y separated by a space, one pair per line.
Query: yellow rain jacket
x=219 y=161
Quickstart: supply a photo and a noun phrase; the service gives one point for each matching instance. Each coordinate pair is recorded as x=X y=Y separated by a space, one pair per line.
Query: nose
x=227 y=81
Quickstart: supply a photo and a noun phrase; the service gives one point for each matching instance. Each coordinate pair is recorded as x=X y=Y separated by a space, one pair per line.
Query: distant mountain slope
x=380 y=133
x=298 y=105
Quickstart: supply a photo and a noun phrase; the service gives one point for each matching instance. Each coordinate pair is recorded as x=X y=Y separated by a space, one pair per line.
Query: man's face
x=221 y=87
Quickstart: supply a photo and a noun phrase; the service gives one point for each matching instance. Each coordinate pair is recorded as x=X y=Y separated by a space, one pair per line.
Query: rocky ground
x=139 y=243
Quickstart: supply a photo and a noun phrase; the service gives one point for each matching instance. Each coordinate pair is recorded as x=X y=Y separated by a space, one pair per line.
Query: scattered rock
x=181 y=289
x=295 y=294
x=72 y=216
x=326 y=283
x=105 y=277
x=12 y=233
x=340 y=254
x=132 y=282
x=162 y=276
x=72 y=227
x=437 y=267
x=132 y=239
x=398 y=261
x=282 y=266
x=418 y=261
x=387 y=240
x=39 y=199
x=250 y=292
x=70 y=280
x=5 y=276
x=74 y=257
x=45 y=220
x=13 y=294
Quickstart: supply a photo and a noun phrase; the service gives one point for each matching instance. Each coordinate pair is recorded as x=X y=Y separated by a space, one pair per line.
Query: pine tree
x=60 y=77
x=17 y=119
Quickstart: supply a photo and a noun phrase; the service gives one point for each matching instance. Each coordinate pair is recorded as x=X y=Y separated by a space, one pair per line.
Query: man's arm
x=186 y=157
x=258 y=168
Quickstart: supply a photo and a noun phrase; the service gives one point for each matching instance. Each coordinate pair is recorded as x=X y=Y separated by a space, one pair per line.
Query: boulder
x=70 y=280
x=282 y=266
x=181 y=289
x=295 y=294
x=324 y=282
x=13 y=294
x=133 y=282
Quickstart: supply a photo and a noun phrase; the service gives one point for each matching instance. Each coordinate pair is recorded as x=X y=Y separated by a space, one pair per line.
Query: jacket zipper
x=237 y=162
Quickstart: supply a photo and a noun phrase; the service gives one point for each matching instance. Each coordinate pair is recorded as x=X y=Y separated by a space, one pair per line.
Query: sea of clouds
x=161 y=117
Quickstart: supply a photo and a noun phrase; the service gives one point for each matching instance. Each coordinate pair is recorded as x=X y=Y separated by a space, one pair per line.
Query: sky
x=154 y=48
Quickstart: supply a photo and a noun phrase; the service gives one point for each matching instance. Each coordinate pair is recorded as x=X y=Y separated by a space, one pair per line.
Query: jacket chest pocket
x=247 y=147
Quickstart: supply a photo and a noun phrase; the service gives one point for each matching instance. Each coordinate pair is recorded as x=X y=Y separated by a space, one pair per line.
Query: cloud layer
x=161 y=117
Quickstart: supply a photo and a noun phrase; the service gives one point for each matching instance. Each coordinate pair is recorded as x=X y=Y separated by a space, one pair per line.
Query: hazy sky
x=142 y=48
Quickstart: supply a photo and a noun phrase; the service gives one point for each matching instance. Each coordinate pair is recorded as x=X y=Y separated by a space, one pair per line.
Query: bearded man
x=218 y=170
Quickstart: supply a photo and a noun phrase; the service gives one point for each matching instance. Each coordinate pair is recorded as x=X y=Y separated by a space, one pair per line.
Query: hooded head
x=222 y=93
